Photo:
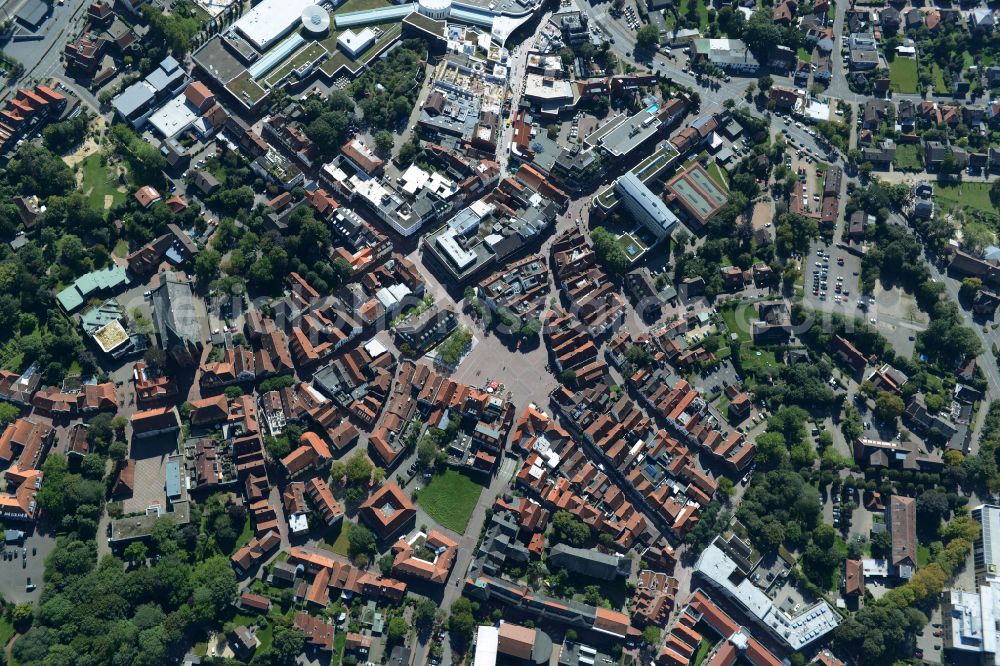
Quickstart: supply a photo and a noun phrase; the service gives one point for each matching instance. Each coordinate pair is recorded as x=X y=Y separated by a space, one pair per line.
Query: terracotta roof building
x=417 y=564
x=152 y=422
x=209 y=410
x=388 y=510
x=324 y=502
x=312 y=452
x=24 y=444
x=902 y=521
x=318 y=633
x=20 y=504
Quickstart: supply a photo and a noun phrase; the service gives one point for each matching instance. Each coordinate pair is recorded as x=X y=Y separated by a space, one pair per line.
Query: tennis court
x=697 y=192
x=704 y=183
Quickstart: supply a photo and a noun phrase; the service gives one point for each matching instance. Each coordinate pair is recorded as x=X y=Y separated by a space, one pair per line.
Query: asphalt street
x=42 y=58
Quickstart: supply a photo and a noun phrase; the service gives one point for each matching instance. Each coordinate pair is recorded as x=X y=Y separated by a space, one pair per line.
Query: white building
x=270 y=20
x=807 y=626
x=986 y=551
x=728 y=54
x=355 y=43
x=969 y=622
x=645 y=206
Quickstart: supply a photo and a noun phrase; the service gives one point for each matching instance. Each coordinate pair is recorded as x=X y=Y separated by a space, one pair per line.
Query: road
x=41 y=58
x=986 y=361
x=66 y=22
x=467 y=546
x=517 y=65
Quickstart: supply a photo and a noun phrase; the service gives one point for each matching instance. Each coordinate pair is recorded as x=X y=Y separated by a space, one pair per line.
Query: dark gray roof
x=174 y=311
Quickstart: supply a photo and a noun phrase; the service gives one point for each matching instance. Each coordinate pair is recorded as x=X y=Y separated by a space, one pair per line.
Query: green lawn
x=923 y=555
x=703 y=649
x=722 y=405
x=632 y=245
x=121 y=249
x=449 y=499
x=265 y=635
x=937 y=80
x=966 y=195
x=903 y=75
x=909 y=157
x=700 y=8
x=716 y=173
x=359 y=5
x=804 y=54
x=734 y=324
x=245 y=535
x=99 y=182
x=340 y=544
x=6 y=631
x=757 y=359
x=339 y=641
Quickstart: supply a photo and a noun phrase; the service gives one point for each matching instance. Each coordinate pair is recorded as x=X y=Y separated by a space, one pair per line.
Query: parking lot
x=27 y=561
x=808 y=191
x=831 y=281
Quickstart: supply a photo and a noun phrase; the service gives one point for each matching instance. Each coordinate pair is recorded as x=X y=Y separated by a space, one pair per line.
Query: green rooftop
x=105 y=279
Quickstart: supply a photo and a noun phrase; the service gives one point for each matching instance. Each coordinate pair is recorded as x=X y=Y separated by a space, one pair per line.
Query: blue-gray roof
x=631 y=187
x=134 y=97
x=173 y=474
x=372 y=16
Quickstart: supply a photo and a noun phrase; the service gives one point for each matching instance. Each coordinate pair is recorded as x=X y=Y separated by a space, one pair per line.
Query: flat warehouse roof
x=173 y=117
x=270 y=20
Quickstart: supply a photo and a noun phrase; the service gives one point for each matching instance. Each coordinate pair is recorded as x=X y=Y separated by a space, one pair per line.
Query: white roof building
x=969 y=622
x=355 y=43
x=270 y=20
x=796 y=632
x=487 y=644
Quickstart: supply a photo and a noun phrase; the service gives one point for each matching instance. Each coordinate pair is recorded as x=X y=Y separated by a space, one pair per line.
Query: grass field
x=359 y=5
x=339 y=642
x=245 y=535
x=967 y=195
x=634 y=248
x=700 y=8
x=703 y=649
x=903 y=75
x=923 y=555
x=449 y=499
x=735 y=324
x=121 y=249
x=715 y=172
x=909 y=157
x=937 y=80
x=339 y=544
x=98 y=180
x=805 y=55
x=6 y=631
x=757 y=359
x=265 y=635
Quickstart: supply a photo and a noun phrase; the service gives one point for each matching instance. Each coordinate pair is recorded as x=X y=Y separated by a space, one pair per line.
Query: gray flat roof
x=630 y=186
x=32 y=13
x=218 y=61
x=133 y=97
